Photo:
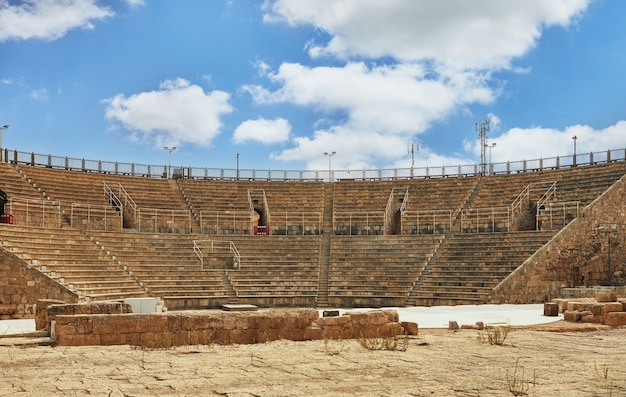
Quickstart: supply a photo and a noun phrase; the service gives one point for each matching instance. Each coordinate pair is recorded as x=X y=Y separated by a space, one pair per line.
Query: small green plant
x=393 y=343
x=494 y=335
x=518 y=384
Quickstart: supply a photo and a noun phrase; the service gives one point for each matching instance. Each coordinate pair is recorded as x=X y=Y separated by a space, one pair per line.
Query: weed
x=494 y=335
x=603 y=374
x=518 y=384
x=393 y=343
x=333 y=347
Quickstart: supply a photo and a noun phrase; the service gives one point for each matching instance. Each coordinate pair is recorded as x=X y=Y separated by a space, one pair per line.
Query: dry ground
x=558 y=359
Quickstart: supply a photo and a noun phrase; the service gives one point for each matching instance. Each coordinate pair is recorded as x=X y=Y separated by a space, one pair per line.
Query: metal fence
x=160 y=171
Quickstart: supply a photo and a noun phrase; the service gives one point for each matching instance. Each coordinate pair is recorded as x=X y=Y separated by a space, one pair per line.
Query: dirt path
x=437 y=363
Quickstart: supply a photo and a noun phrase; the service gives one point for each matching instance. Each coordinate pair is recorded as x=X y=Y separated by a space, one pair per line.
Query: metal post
x=169 y=160
x=3 y=128
x=330 y=164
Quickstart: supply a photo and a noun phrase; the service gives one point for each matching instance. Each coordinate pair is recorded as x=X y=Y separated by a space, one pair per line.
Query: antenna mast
x=482 y=127
x=413 y=149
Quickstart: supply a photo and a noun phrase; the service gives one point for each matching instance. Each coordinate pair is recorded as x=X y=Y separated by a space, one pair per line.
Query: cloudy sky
x=282 y=81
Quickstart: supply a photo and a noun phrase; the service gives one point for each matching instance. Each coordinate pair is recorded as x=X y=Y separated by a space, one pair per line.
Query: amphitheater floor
x=425 y=317
x=536 y=359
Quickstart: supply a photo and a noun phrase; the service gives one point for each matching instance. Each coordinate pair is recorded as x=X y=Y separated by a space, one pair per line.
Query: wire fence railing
x=160 y=171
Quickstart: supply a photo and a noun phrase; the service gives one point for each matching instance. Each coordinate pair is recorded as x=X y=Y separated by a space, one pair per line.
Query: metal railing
x=217 y=246
x=159 y=220
x=551 y=216
x=35 y=212
x=427 y=222
x=294 y=223
x=85 y=216
x=359 y=223
x=226 y=222
x=490 y=219
x=158 y=171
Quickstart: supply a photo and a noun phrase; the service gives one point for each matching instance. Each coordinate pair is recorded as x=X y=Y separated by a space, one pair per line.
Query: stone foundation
x=605 y=309
x=21 y=287
x=161 y=330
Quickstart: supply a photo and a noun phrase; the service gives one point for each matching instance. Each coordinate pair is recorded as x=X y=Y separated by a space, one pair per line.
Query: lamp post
x=237 y=165
x=3 y=128
x=330 y=166
x=574 y=158
x=169 y=159
x=490 y=165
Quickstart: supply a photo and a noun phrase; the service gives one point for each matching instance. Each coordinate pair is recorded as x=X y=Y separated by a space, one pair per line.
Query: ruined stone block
x=571 y=315
x=410 y=328
x=611 y=307
x=615 y=318
x=606 y=296
x=550 y=309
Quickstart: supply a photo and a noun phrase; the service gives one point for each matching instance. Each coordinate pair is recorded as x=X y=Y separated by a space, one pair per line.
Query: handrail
x=156 y=171
x=113 y=199
x=231 y=248
x=198 y=252
x=551 y=192
x=14 y=204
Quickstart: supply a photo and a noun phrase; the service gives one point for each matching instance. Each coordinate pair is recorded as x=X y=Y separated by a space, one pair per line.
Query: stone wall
x=161 y=330
x=21 y=287
x=576 y=255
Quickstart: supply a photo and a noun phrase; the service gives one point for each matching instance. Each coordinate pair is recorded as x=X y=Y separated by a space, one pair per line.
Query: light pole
x=574 y=158
x=330 y=164
x=169 y=160
x=3 y=128
x=490 y=165
x=237 y=165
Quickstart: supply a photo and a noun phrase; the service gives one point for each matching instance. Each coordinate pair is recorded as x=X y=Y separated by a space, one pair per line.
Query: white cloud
x=539 y=142
x=438 y=60
x=48 y=19
x=384 y=105
x=178 y=112
x=135 y=3
x=467 y=34
x=40 y=95
x=263 y=130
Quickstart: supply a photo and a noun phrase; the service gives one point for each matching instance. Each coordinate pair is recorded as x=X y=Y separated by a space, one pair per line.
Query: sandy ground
x=556 y=359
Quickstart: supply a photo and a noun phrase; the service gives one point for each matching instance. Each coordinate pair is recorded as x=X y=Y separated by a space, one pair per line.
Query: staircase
x=327 y=227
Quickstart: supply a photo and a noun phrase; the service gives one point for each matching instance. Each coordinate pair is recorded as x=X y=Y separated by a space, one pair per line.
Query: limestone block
x=313 y=333
x=606 y=296
x=392 y=316
x=550 y=309
x=587 y=317
x=410 y=328
x=610 y=307
x=334 y=321
x=571 y=315
x=597 y=309
x=41 y=313
x=453 y=325
x=615 y=318
x=562 y=304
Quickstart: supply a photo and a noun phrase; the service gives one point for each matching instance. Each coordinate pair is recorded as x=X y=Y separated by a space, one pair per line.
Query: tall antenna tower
x=482 y=127
x=412 y=149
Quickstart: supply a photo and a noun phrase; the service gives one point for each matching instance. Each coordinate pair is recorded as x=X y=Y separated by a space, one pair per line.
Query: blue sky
x=282 y=81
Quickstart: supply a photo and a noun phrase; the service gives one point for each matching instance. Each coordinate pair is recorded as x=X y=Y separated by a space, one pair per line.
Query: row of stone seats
x=468 y=266
x=165 y=264
x=276 y=266
x=69 y=257
x=376 y=266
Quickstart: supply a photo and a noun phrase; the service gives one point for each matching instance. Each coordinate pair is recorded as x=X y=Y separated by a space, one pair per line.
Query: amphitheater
x=522 y=232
